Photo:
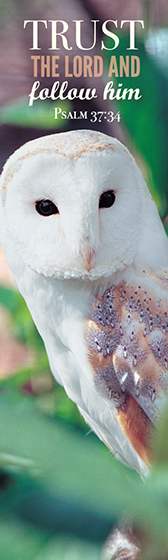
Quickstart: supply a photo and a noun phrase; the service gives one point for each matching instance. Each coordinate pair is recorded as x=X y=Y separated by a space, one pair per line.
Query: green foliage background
x=61 y=491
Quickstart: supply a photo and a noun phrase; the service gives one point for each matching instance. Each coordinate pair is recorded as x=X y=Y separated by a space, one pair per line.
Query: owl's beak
x=88 y=259
x=87 y=255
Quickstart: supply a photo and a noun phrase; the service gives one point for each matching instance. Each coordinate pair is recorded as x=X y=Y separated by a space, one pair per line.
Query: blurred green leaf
x=68 y=460
x=10 y=299
x=31 y=501
x=16 y=463
x=66 y=548
x=40 y=115
x=23 y=541
x=81 y=469
x=22 y=321
x=19 y=541
x=70 y=463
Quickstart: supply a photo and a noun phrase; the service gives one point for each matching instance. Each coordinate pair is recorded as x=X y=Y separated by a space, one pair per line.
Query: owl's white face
x=74 y=215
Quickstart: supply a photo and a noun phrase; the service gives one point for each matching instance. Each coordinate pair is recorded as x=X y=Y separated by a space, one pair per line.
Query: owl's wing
x=127 y=340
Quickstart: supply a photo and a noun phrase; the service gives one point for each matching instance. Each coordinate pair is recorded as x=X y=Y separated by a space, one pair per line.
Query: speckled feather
x=127 y=338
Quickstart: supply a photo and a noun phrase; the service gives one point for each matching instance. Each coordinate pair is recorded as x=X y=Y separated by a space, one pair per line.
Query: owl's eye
x=46 y=207
x=106 y=199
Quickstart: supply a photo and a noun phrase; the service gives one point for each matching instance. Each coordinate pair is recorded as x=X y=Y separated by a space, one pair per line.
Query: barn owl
x=84 y=241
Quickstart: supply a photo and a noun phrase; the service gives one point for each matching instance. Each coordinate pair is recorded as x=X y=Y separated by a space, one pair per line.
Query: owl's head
x=72 y=205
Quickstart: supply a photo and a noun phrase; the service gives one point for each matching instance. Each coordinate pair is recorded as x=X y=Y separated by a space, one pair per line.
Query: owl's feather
x=92 y=278
x=127 y=335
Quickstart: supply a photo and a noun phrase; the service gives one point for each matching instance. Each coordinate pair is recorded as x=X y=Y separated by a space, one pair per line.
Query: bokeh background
x=61 y=491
